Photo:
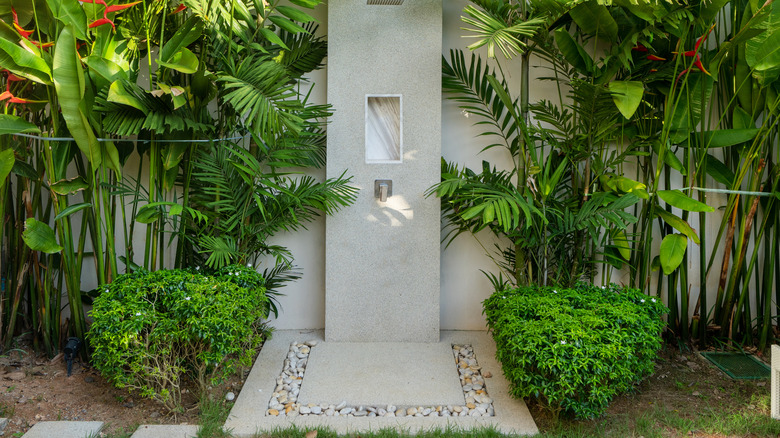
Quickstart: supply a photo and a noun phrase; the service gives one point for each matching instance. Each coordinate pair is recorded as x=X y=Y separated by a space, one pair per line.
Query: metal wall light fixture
x=385 y=2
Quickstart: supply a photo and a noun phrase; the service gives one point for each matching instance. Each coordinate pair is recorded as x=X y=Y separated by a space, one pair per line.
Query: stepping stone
x=3 y=424
x=64 y=429
x=165 y=431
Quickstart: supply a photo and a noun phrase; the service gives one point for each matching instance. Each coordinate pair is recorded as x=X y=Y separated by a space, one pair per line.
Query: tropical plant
x=245 y=204
x=114 y=79
x=547 y=203
x=695 y=90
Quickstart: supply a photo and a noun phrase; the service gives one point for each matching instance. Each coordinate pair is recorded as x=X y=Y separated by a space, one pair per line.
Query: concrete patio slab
x=165 y=431
x=64 y=429
x=393 y=373
x=250 y=412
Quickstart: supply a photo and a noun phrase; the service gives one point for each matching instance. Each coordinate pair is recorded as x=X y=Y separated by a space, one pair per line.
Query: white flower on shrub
x=563 y=342
x=187 y=298
x=642 y=300
x=137 y=313
x=652 y=299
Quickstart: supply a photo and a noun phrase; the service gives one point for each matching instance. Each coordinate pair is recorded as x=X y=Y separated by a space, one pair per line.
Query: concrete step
x=376 y=374
x=64 y=429
x=165 y=431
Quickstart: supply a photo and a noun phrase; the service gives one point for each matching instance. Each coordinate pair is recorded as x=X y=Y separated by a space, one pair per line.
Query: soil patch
x=34 y=388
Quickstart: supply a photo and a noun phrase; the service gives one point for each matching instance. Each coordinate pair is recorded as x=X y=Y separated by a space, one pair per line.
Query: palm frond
x=275 y=279
x=222 y=250
x=149 y=112
x=559 y=119
x=470 y=87
x=305 y=52
x=248 y=204
x=472 y=202
x=260 y=91
x=494 y=31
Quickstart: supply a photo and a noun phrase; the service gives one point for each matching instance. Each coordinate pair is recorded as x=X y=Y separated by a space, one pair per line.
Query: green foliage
x=575 y=349
x=150 y=71
x=245 y=203
x=151 y=329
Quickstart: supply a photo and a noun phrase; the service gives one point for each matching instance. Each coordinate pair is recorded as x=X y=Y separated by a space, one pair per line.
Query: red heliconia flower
x=698 y=65
x=682 y=73
x=639 y=48
x=114 y=8
x=22 y=32
x=655 y=58
x=13 y=78
x=695 y=52
x=13 y=99
x=19 y=100
x=44 y=45
x=180 y=8
x=101 y=22
x=26 y=33
x=701 y=39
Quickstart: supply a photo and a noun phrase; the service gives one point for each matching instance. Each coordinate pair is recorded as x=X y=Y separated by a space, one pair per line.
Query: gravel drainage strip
x=284 y=400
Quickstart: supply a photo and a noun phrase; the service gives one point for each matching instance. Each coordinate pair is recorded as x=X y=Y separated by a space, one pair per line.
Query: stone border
x=284 y=400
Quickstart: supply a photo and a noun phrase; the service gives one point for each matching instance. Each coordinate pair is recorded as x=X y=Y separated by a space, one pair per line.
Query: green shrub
x=151 y=329
x=575 y=349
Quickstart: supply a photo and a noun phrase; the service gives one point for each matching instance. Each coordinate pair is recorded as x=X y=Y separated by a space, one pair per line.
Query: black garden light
x=71 y=349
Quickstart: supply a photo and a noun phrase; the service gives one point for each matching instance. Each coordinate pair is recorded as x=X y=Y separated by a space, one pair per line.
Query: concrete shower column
x=382 y=258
